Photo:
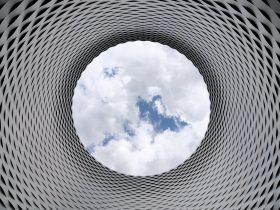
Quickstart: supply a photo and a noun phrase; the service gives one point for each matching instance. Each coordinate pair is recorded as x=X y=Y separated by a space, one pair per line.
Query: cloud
x=155 y=113
x=107 y=108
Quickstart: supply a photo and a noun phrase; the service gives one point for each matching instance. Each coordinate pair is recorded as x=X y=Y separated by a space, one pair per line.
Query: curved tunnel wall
x=46 y=44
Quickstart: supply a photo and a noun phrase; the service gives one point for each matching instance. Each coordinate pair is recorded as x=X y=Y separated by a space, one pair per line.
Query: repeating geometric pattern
x=46 y=44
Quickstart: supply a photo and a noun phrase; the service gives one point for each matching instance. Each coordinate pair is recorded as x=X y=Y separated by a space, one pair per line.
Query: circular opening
x=141 y=108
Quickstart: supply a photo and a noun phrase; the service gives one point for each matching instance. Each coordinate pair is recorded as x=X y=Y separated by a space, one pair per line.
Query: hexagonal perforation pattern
x=46 y=44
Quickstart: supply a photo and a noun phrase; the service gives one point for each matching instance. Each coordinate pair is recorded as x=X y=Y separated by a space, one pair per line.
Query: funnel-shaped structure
x=46 y=44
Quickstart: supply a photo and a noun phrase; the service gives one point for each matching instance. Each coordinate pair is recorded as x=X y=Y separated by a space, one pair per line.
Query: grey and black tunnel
x=46 y=44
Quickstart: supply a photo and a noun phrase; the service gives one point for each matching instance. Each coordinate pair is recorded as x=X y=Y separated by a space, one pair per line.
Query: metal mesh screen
x=46 y=44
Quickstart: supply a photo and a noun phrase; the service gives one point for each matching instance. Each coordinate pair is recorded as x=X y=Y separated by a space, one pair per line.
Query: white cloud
x=102 y=104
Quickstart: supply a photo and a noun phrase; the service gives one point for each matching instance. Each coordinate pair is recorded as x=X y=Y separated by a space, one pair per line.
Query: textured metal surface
x=46 y=44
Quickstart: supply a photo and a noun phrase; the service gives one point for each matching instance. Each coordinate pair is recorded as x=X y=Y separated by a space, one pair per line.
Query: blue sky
x=148 y=111
x=141 y=108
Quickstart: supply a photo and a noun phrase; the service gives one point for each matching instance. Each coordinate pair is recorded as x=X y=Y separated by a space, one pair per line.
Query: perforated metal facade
x=46 y=44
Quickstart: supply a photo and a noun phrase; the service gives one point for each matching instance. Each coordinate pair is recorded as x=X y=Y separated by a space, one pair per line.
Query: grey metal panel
x=46 y=44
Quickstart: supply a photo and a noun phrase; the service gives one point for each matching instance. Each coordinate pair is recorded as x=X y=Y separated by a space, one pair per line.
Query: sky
x=141 y=108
